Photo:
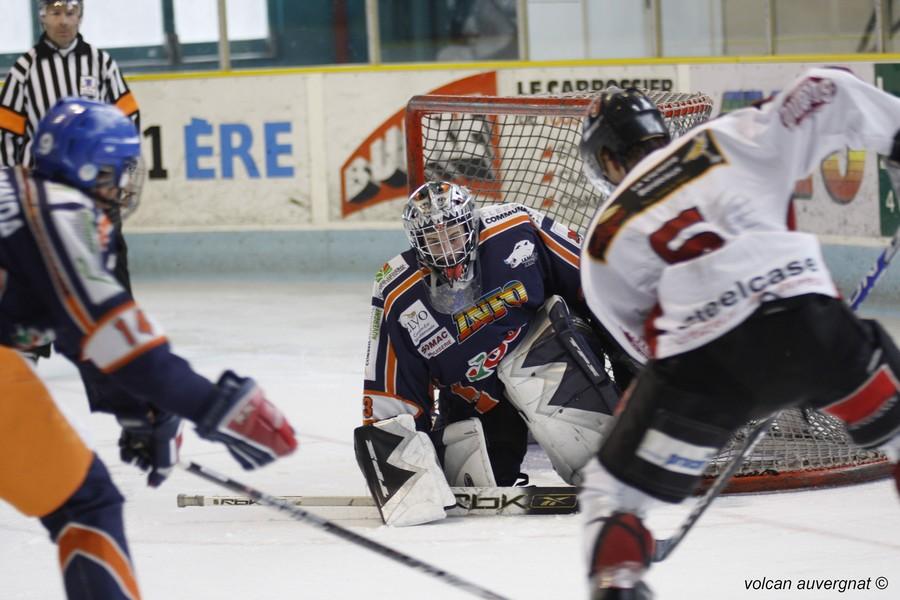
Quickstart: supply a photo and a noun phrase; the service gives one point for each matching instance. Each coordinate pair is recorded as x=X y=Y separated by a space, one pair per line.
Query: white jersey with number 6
x=696 y=237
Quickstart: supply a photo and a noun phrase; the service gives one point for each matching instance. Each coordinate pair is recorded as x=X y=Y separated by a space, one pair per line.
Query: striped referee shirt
x=45 y=74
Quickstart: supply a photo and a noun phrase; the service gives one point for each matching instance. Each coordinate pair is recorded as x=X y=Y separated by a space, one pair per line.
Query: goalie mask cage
x=525 y=149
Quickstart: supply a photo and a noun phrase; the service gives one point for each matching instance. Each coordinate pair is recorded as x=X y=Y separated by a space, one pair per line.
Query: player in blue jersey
x=56 y=285
x=482 y=309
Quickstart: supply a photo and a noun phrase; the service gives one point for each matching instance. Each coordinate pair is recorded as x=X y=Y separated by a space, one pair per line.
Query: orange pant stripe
x=96 y=545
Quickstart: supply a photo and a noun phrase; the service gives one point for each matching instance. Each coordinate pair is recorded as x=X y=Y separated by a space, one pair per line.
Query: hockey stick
x=868 y=282
x=480 y=501
x=665 y=547
x=301 y=515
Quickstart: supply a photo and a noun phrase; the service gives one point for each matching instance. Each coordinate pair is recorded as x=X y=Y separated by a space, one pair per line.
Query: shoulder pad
x=392 y=271
x=496 y=214
x=59 y=194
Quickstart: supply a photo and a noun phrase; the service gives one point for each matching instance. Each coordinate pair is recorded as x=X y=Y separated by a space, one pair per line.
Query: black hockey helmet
x=618 y=120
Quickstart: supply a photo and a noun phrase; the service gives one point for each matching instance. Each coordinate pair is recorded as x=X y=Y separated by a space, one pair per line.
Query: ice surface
x=305 y=343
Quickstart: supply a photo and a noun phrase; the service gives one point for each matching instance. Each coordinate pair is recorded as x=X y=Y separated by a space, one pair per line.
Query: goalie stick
x=481 y=501
x=310 y=519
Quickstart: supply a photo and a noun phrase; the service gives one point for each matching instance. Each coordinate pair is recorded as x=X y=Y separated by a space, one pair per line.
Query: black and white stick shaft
x=324 y=524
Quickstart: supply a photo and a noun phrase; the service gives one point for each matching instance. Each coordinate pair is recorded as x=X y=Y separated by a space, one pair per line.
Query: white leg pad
x=423 y=497
x=466 y=461
x=568 y=434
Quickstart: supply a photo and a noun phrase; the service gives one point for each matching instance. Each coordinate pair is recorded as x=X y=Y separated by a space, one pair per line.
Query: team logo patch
x=808 y=97
x=417 y=321
x=436 y=344
x=522 y=254
x=482 y=365
x=89 y=88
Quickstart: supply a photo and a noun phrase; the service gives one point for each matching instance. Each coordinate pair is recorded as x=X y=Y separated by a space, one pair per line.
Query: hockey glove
x=252 y=428
x=151 y=442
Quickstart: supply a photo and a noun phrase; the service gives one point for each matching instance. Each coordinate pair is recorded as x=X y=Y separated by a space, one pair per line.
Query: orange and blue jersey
x=414 y=348
x=56 y=263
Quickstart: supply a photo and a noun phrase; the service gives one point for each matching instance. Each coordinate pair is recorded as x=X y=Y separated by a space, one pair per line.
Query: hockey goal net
x=525 y=149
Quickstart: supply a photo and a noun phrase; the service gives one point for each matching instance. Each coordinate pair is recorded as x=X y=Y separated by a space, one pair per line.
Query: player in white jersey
x=691 y=262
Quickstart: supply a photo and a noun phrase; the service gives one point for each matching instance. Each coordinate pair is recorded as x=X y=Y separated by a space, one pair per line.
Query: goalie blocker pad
x=560 y=388
x=402 y=472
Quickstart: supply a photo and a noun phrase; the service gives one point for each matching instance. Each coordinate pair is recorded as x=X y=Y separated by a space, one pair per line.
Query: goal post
x=525 y=149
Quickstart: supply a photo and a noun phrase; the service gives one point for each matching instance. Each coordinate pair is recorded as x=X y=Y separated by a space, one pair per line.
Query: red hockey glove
x=252 y=428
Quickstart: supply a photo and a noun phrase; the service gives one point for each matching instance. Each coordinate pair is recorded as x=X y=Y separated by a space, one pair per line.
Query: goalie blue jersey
x=414 y=348
x=56 y=283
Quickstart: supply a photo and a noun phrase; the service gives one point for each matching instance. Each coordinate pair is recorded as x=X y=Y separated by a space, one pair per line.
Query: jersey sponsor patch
x=417 y=321
x=498 y=214
x=565 y=233
x=521 y=255
x=436 y=344
x=806 y=98
x=121 y=336
x=491 y=307
x=372 y=346
x=483 y=364
x=388 y=273
x=701 y=299
x=673 y=454
x=690 y=161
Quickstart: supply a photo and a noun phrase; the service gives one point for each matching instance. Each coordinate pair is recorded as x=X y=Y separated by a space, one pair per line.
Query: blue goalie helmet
x=91 y=146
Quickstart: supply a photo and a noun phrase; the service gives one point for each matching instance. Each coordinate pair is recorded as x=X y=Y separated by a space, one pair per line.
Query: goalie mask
x=617 y=121
x=440 y=221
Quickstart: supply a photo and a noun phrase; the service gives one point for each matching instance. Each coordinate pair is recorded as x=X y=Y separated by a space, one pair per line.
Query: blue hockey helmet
x=91 y=146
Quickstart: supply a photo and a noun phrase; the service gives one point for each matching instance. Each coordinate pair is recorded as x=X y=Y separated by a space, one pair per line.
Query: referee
x=61 y=64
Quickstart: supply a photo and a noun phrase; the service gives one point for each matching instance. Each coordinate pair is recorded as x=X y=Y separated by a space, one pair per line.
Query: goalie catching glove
x=402 y=472
x=252 y=428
